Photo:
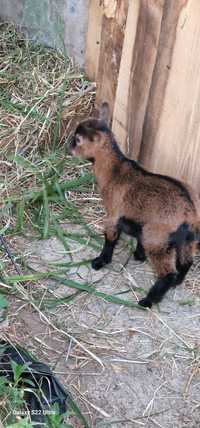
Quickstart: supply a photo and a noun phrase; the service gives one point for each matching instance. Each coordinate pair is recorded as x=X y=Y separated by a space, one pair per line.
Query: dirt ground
x=125 y=367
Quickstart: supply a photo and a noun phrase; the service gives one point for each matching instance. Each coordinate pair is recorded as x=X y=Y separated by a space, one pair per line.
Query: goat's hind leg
x=185 y=257
x=165 y=266
x=171 y=266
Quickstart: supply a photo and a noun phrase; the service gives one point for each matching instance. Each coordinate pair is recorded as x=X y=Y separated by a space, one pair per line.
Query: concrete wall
x=56 y=23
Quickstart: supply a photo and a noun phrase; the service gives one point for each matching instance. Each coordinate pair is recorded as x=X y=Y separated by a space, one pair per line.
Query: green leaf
x=18 y=369
x=3 y=302
x=29 y=382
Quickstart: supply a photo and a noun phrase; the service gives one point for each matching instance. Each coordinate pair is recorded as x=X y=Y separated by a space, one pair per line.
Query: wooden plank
x=172 y=128
x=93 y=39
x=138 y=61
x=112 y=36
x=119 y=125
x=144 y=59
x=173 y=119
x=171 y=15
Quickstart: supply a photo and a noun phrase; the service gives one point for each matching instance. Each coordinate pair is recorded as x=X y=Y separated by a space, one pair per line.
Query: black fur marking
x=181 y=235
x=182 y=270
x=130 y=227
x=181 y=267
x=159 y=289
x=91 y=160
x=139 y=253
x=106 y=255
x=116 y=149
x=91 y=126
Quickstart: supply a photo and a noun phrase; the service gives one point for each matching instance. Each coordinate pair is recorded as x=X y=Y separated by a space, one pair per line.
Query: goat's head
x=90 y=135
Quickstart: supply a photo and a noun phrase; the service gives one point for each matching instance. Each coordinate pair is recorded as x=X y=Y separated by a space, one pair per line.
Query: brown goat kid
x=161 y=212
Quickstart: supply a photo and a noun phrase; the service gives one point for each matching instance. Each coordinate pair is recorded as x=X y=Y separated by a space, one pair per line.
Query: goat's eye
x=78 y=140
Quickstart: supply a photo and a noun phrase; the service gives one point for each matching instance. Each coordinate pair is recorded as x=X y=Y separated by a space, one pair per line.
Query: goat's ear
x=104 y=113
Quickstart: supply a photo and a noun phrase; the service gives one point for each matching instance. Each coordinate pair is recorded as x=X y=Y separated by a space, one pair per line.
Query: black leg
x=139 y=253
x=183 y=272
x=182 y=269
x=159 y=289
x=106 y=255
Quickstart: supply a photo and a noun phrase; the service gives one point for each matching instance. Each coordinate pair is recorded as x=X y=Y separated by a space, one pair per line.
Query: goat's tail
x=183 y=235
x=185 y=240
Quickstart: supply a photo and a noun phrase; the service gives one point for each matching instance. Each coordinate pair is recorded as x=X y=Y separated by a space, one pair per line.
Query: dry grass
x=39 y=86
x=42 y=96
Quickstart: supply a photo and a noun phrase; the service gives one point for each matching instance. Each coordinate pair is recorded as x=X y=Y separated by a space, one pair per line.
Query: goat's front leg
x=112 y=233
x=139 y=253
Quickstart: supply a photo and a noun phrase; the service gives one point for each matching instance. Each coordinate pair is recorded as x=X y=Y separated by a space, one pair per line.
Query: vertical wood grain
x=93 y=39
x=135 y=74
x=120 y=114
x=160 y=78
x=172 y=128
x=143 y=62
x=112 y=37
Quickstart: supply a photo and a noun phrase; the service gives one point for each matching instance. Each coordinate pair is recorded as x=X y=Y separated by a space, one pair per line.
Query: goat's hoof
x=146 y=303
x=97 y=263
x=139 y=257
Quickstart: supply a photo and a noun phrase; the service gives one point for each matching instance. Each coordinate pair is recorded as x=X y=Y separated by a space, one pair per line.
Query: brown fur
x=159 y=204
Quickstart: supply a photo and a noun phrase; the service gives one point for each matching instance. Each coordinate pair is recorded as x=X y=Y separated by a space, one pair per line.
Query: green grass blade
x=71 y=264
x=20 y=216
x=24 y=163
x=61 y=236
x=73 y=210
x=59 y=191
x=80 y=183
x=51 y=303
x=75 y=285
x=13 y=279
x=45 y=213
x=91 y=290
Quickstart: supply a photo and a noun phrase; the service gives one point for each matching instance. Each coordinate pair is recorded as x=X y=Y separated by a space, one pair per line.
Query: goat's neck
x=104 y=165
